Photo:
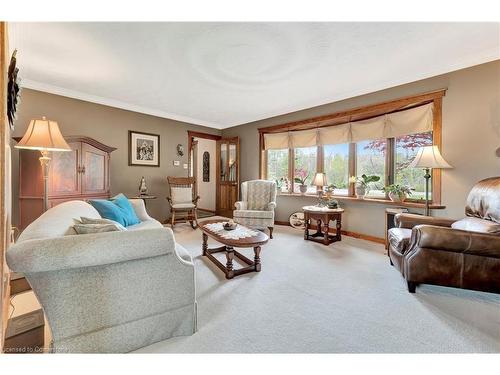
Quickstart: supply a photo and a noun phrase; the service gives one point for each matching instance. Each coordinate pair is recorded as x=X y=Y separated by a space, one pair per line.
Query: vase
x=360 y=191
x=396 y=197
x=303 y=189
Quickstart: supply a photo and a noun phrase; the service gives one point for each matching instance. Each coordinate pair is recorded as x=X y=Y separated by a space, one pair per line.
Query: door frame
x=191 y=135
x=235 y=140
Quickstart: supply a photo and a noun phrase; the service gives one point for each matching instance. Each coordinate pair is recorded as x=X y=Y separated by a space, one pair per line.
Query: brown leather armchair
x=460 y=254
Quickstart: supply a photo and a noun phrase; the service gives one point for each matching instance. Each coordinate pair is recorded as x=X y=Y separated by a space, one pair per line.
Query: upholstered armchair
x=460 y=254
x=182 y=199
x=256 y=208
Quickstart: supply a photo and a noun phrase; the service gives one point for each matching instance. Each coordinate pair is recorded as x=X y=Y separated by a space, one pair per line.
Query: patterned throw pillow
x=97 y=228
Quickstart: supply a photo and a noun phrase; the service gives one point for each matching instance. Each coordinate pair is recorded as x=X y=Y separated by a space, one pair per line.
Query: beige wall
x=206 y=190
x=471 y=133
x=110 y=126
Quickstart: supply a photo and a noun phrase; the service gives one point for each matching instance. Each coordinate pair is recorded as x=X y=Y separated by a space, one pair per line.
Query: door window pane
x=406 y=148
x=305 y=166
x=223 y=162
x=370 y=160
x=232 y=162
x=336 y=167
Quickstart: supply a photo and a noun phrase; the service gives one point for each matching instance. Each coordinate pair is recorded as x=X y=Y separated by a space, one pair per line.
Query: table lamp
x=43 y=135
x=429 y=157
x=319 y=181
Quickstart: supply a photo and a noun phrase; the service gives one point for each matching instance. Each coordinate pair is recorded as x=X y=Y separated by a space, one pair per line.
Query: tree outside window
x=277 y=164
x=336 y=167
x=370 y=160
x=406 y=148
x=305 y=166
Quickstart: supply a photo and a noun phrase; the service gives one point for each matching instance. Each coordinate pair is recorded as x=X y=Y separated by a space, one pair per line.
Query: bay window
x=380 y=140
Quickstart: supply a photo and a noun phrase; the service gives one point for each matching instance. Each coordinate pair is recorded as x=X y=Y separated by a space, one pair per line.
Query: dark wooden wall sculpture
x=206 y=167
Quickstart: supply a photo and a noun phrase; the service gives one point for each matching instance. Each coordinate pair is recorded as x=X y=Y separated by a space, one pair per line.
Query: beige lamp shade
x=319 y=180
x=43 y=135
x=429 y=157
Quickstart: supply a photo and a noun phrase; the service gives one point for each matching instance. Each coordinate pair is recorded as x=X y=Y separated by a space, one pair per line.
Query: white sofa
x=107 y=292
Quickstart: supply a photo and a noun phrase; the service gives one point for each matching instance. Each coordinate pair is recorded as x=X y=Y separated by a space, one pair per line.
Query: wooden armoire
x=80 y=174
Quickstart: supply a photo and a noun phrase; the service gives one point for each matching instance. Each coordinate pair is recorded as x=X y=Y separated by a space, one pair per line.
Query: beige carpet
x=341 y=298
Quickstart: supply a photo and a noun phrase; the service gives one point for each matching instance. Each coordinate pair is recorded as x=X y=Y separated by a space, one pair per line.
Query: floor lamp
x=429 y=157
x=43 y=135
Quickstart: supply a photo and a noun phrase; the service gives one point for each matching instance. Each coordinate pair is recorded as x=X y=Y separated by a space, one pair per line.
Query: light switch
x=185 y=166
x=177 y=163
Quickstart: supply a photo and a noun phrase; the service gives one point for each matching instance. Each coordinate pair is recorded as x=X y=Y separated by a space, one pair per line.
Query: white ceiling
x=226 y=74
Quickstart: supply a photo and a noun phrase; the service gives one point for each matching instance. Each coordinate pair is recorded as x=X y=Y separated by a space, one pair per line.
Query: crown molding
x=57 y=90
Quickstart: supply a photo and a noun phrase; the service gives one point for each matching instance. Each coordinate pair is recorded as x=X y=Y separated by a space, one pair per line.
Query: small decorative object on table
x=327 y=198
x=229 y=225
x=301 y=176
x=363 y=184
x=143 y=189
x=397 y=193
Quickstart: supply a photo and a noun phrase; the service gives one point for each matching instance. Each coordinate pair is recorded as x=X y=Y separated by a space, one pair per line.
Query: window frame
x=357 y=114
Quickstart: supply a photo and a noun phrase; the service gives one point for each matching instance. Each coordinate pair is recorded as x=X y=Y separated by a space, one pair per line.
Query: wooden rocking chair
x=182 y=200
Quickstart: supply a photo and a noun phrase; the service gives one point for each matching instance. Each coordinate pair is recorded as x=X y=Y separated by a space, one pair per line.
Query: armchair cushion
x=475 y=224
x=258 y=195
x=410 y=220
x=254 y=214
x=458 y=241
x=181 y=195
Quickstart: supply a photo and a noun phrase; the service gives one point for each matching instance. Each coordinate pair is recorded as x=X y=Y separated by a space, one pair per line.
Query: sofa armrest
x=410 y=220
x=140 y=209
x=88 y=250
x=240 y=205
x=456 y=240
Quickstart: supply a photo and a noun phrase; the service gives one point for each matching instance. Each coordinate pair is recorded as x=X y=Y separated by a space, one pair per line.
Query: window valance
x=396 y=124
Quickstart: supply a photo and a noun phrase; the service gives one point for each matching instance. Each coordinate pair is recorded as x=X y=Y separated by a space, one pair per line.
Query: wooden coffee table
x=229 y=244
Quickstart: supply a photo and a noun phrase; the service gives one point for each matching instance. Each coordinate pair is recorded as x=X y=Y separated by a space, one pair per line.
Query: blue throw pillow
x=122 y=201
x=119 y=209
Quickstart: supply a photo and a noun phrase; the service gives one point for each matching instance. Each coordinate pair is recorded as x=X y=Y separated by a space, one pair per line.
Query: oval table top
x=322 y=209
x=259 y=239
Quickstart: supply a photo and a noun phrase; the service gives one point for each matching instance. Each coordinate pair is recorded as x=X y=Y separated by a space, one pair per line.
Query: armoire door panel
x=64 y=178
x=95 y=170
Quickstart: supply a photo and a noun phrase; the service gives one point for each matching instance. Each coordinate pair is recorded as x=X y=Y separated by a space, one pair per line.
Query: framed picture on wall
x=143 y=149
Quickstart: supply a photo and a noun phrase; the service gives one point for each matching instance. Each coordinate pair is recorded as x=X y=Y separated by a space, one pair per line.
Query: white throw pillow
x=90 y=220
x=97 y=228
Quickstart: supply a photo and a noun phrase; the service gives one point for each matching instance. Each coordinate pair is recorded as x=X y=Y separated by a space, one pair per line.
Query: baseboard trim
x=361 y=236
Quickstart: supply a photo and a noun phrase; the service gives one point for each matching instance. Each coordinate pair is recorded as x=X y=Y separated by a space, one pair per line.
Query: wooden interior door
x=64 y=176
x=228 y=175
x=94 y=172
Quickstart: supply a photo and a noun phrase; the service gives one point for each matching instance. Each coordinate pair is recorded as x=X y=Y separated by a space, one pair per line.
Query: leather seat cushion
x=399 y=239
x=475 y=224
x=254 y=214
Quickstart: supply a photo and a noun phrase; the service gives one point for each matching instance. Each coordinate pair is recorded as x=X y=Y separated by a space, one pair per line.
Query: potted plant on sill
x=363 y=184
x=300 y=178
x=397 y=193
x=282 y=184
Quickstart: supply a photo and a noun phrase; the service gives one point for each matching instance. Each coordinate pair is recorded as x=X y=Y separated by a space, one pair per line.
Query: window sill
x=385 y=202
